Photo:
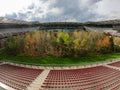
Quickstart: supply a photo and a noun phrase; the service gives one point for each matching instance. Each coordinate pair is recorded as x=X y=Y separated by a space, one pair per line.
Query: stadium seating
x=117 y=64
x=96 y=78
x=17 y=77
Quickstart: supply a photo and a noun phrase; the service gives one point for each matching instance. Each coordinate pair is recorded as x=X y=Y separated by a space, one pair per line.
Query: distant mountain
x=15 y=21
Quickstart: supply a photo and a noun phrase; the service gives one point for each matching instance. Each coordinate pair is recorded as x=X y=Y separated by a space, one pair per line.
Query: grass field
x=58 y=61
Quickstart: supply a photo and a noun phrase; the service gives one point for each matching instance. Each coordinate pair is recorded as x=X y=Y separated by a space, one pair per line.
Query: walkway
x=113 y=67
x=37 y=83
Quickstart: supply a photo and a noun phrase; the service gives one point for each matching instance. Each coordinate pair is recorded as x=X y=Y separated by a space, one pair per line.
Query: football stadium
x=59 y=45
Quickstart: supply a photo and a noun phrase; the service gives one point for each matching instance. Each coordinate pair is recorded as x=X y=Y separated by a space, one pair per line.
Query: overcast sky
x=60 y=10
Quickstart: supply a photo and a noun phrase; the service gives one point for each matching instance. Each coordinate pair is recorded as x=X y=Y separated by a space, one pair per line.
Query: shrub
x=14 y=45
x=60 y=44
x=117 y=41
x=116 y=44
x=116 y=48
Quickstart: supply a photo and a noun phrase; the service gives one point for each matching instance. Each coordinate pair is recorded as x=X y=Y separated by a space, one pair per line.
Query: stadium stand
x=96 y=78
x=116 y=64
x=17 y=77
x=92 y=78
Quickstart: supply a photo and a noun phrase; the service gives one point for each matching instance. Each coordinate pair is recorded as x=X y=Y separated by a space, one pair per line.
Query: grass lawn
x=57 y=61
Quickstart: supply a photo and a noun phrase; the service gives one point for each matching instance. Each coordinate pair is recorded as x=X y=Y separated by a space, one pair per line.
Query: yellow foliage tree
x=103 y=43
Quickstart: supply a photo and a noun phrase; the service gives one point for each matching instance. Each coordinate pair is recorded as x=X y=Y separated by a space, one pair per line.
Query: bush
x=117 y=48
x=117 y=41
x=60 y=44
x=14 y=45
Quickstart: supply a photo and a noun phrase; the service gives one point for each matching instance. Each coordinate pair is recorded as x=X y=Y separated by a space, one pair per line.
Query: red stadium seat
x=17 y=77
x=95 y=78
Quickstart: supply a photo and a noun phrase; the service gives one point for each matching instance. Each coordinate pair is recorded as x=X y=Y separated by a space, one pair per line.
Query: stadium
x=23 y=76
x=59 y=45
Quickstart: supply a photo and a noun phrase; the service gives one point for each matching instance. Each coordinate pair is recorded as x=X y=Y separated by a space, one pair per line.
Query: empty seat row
x=95 y=78
x=17 y=77
x=116 y=64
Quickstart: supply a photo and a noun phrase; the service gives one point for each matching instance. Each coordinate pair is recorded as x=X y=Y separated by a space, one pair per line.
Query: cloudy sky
x=60 y=10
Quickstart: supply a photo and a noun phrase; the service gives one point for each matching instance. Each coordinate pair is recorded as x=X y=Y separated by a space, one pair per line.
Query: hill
x=13 y=23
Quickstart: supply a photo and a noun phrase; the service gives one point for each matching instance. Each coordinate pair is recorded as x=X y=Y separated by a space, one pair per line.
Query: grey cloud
x=69 y=10
x=21 y=16
x=65 y=10
x=31 y=6
x=13 y=15
x=94 y=1
x=75 y=9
